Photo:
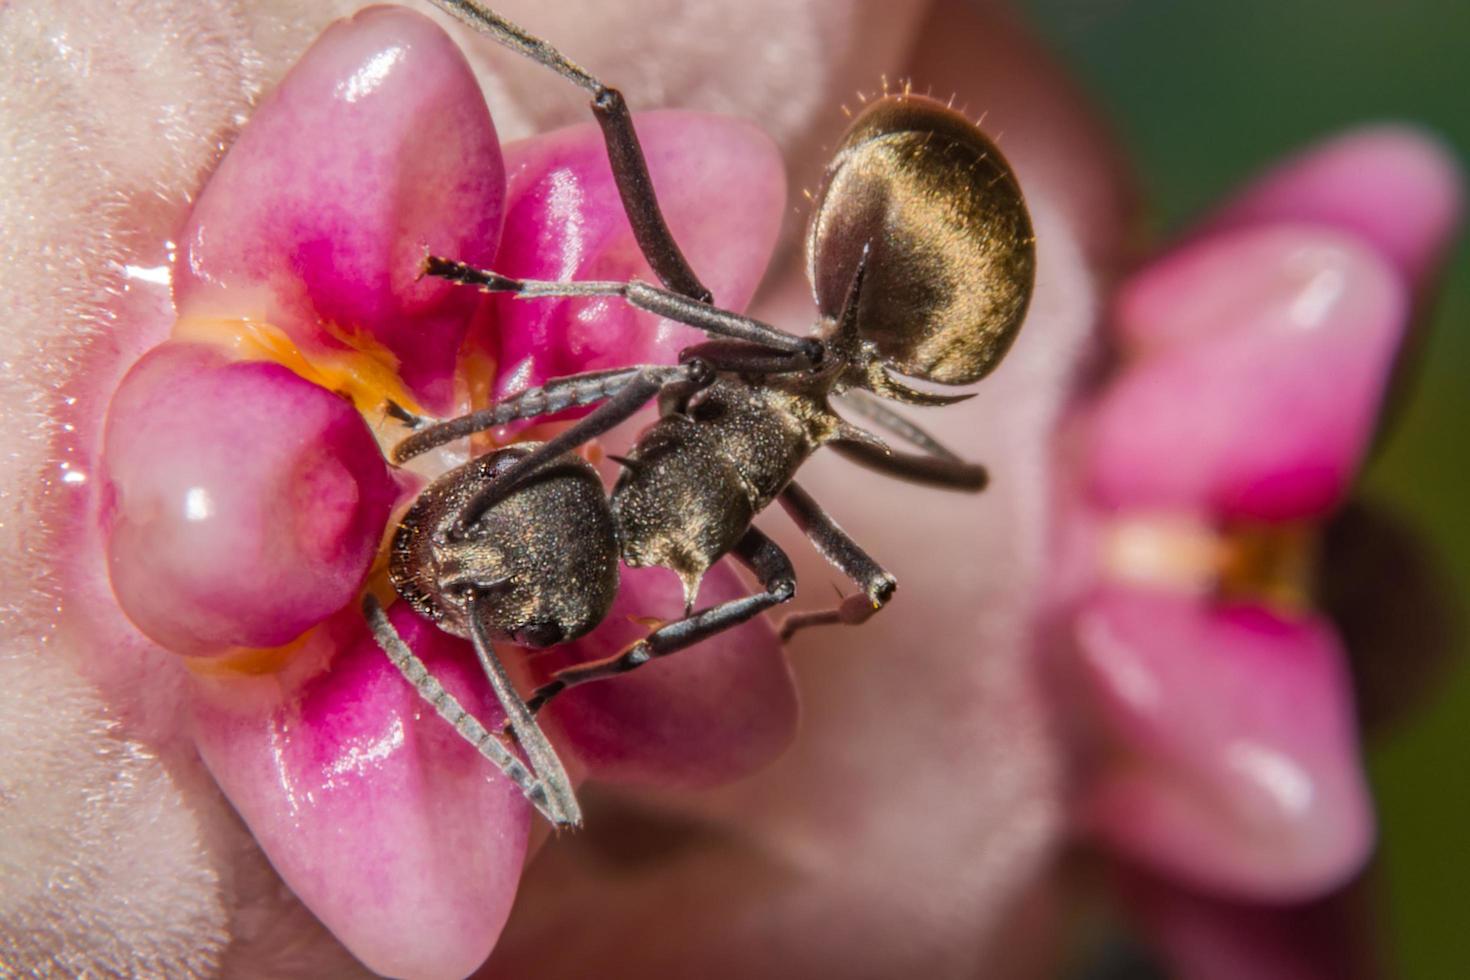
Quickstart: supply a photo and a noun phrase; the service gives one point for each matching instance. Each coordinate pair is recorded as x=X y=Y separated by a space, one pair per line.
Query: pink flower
x=1251 y=361
x=242 y=501
x=927 y=790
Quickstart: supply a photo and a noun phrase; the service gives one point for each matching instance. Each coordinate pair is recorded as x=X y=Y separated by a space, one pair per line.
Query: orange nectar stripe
x=366 y=372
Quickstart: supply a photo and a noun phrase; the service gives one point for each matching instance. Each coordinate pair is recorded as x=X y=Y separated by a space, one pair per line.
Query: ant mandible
x=921 y=257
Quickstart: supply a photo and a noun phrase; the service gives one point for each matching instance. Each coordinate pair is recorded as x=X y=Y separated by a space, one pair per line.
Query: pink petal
x=702 y=716
x=244 y=504
x=1227 y=749
x=390 y=827
x=374 y=149
x=722 y=188
x=1397 y=187
x=1267 y=354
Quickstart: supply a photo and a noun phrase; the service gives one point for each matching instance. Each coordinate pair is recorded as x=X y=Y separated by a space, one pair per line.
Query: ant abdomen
x=951 y=256
x=541 y=564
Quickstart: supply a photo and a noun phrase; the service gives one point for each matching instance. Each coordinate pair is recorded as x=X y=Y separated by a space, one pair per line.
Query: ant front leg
x=847 y=556
x=873 y=409
x=622 y=393
x=624 y=152
x=552 y=798
x=758 y=553
x=555 y=396
x=937 y=466
x=562 y=799
x=921 y=468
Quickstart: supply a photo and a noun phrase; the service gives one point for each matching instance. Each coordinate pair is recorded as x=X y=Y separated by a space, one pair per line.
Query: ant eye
x=951 y=258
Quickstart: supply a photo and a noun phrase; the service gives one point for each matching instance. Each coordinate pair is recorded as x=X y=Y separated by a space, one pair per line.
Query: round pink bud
x=244 y=504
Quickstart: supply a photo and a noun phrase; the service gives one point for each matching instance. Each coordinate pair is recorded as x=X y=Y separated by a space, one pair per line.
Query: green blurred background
x=1204 y=94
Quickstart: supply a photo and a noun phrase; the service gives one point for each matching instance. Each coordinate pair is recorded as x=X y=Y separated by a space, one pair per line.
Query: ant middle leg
x=757 y=552
x=624 y=152
x=847 y=556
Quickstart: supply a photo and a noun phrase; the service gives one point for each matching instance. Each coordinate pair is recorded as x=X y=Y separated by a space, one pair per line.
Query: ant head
x=920 y=246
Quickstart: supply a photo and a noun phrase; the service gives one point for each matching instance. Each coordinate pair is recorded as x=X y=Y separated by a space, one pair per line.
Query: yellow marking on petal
x=378 y=584
x=1268 y=563
x=250 y=661
x=1176 y=551
x=476 y=372
x=366 y=372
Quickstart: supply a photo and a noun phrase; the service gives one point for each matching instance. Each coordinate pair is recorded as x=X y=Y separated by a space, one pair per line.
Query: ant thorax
x=696 y=477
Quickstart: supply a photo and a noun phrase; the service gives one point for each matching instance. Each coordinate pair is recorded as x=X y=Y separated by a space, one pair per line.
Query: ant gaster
x=921 y=258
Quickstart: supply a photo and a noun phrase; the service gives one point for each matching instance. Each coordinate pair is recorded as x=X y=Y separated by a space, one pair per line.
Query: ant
x=921 y=257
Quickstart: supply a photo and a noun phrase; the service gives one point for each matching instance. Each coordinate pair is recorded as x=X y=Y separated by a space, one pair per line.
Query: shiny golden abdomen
x=952 y=257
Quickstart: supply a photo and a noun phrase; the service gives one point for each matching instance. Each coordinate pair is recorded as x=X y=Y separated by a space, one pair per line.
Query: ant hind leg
x=467 y=725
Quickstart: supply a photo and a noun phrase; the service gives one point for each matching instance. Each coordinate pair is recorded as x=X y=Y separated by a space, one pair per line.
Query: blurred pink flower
x=1217 y=743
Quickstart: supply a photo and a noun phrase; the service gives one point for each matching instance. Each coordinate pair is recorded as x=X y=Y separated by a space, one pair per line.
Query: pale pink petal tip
x=1263 y=358
x=242 y=503
x=375 y=149
x=722 y=186
x=1397 y=187
x=378 y=815
x=1227 y=748
x=701 y=717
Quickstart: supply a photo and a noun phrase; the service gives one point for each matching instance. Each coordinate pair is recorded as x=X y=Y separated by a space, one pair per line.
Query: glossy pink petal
x=387 y=824
x=1265 y=357
x=1226 y=742
x=1397 y=187
x=703 y=716
x=243 y=503
x=722 y=188
x=374 y=149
